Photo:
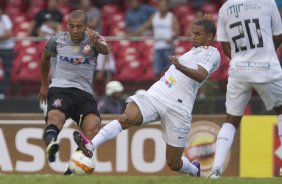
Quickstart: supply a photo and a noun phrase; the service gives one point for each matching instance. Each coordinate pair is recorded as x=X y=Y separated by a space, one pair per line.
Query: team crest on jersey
x=57 y=102
x=86 y=48
x=170 y=81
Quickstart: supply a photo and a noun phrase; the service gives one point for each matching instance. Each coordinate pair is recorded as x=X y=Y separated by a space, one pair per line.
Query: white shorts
x=239 y=93
x=175 y=122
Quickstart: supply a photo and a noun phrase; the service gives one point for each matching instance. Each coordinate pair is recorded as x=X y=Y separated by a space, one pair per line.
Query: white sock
x=109 y=131
x=223 y=144
x=188 y=167
x=280 y=127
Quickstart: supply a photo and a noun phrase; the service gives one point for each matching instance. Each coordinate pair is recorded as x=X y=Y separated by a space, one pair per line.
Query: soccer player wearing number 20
x=250 y=31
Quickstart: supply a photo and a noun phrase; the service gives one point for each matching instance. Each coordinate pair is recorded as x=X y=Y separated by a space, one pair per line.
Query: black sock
x=68 y=171
x=51 y=132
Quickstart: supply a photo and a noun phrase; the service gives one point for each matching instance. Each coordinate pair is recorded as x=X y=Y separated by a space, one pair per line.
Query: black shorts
x=73 y=102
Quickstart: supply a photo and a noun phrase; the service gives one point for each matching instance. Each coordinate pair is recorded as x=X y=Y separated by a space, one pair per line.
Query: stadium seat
x=186 y=22
x=182 y=47
x=130 y=72
x=109 y=10
x=181 y=10
x=209 y=8
x=148 y=75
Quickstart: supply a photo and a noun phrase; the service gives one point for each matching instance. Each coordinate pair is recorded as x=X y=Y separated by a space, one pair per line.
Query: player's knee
x=124 y=121
x=91 y=129
x=56 y=117
x=174 y=166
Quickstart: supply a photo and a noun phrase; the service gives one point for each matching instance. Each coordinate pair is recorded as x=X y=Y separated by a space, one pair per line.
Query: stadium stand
x=133 y=58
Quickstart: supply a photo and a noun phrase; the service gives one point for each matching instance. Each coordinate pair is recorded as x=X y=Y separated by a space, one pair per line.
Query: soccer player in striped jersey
x=70 y=93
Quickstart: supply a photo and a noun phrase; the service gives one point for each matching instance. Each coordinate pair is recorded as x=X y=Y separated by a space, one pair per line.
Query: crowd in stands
x=131 y=60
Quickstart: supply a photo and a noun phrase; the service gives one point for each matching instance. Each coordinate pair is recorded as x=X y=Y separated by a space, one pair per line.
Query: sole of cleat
x=79 y=141
x=53 y=150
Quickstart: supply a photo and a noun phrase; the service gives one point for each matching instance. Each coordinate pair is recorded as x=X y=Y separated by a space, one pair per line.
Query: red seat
x=109 y=10
x=209 y=8
x=130 y=72
x=148 y=75
x=182 y=9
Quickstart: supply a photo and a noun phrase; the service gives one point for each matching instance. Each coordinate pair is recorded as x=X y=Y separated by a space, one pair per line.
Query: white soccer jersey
x=249 y=26
x=178 y=90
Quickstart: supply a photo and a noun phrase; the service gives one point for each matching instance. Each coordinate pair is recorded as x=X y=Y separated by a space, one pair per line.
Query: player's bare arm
x=144 y=27
x=99 y=42
x=277 y=40
x=45 y=67
x=226 y=49
x=198 y=75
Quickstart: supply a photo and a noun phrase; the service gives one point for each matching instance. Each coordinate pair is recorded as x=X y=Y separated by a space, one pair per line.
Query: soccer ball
x=81 y=164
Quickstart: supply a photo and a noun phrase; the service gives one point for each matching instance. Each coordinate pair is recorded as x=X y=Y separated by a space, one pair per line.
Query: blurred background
x=26 y=25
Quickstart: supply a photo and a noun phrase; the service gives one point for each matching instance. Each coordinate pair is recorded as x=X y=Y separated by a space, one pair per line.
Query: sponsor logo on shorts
x=57 y=102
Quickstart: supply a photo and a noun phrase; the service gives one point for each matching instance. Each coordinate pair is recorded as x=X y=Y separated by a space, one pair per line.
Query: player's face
x=77 y=28
x=199 y=36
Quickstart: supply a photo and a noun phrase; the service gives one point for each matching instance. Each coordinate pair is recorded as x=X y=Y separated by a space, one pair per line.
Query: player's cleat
x=215 y=174
x=198 y=165
x=51 y=149
x=83 y=144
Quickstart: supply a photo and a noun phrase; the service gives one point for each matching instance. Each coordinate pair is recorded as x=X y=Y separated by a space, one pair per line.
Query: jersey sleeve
x=276 y=23
x=221 y=34
x=210 y=61
x=51 y=46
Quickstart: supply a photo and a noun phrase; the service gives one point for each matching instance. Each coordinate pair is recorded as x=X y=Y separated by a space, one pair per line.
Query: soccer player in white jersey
x=250 y=31
x=70 y=94
x=169 y=100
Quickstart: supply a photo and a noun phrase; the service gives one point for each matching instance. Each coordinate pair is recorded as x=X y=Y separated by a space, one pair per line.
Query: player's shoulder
x=210 y=50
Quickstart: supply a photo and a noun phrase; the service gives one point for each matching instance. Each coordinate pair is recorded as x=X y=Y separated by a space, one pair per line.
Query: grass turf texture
x=46 y=179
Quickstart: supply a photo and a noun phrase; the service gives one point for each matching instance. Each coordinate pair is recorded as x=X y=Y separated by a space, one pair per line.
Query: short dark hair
x=79 y=14
x=208 y=25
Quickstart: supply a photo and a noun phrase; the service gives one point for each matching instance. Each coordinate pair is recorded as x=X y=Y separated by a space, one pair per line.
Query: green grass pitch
x=46 y=179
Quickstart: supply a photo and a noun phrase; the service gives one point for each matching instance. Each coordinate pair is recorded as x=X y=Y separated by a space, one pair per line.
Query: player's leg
x=279 y=113
x=90 y=126
x=139 y=110
x=131 y=117
x=271 y=95
x=55 y=121
x=237 y=96
x=176 y=125
x=179 y=163
x=223 y=143
x=59 y=104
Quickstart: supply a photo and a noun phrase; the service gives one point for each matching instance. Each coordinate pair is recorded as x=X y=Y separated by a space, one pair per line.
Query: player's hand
x=42 y=96
x=174 y=60
x=93 y=35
